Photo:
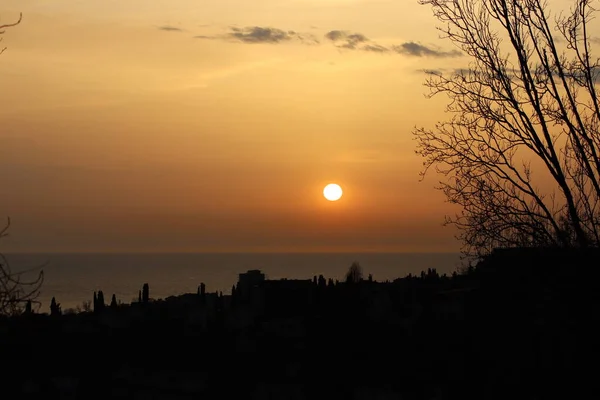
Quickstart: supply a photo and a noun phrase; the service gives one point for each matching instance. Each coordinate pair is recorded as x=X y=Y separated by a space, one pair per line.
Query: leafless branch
x=522 y=101
x=15 y=291
x=3 y=27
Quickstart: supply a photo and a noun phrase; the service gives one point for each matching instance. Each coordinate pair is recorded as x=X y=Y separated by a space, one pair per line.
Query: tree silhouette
x=100 y=304
x=145 y=293
x=354 y=274
x=15 y=291
x=520 y=153
x=55 y=307
x=202 y=292
x=321 y=282
x=3 y=30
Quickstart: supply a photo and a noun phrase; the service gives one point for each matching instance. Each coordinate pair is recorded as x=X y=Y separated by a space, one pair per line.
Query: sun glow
x=332 y=192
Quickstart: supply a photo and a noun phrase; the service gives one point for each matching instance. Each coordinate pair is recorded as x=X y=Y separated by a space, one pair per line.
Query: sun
x=332 y=192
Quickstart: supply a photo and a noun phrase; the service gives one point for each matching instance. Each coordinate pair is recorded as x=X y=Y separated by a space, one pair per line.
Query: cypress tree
x=54 y=307
x=146 y=293
x=100 y=301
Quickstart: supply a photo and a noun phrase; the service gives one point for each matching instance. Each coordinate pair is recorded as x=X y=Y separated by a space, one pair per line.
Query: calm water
x=72 y=278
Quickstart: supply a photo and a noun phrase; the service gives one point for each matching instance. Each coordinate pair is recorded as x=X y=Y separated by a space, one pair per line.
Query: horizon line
x=231 y=252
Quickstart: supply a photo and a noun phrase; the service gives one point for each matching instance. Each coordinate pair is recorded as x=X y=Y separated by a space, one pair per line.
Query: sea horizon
x=73 y=277
x=227 y=252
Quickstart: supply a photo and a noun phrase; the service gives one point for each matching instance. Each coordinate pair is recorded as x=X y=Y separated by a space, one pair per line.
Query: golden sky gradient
x=213 y=125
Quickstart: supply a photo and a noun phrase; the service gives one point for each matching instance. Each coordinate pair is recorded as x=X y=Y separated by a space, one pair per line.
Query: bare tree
x=15 y=291
x=520 y=151
x=16 y=294
x=3 y=27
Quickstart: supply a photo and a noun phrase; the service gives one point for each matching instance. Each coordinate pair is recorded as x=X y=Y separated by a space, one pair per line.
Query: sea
x=72 y=278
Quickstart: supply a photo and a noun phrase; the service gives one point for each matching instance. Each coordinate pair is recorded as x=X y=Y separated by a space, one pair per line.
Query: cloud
x=454 y=71
x=431 y=71
x=170 y=28
x=204 y=37
x=339 y=38
x=375 y=48
x=346 y=40
x=419 y=50
x=259 y=34
x=512 y=73
x=358 y=41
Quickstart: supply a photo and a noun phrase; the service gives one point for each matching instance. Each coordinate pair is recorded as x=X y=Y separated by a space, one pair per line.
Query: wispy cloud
x=341 y=39
x=346 y=40
x=419 y=50
x=170 y=28
x=432 y=71
x=204 y=37
x=259 y=34
x=358 y=41
x=375 y=48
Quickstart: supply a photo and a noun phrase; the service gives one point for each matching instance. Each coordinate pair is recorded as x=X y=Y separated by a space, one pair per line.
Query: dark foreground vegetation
x=520 y=324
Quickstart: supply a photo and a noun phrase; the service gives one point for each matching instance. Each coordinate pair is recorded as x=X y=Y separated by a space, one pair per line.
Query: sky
x=213 y=125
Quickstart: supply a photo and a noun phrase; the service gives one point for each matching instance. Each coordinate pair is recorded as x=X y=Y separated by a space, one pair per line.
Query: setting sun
x=264 y=115
x=332 y=192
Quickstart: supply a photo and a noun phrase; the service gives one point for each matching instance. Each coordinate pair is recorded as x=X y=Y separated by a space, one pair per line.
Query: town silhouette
x=521 y=323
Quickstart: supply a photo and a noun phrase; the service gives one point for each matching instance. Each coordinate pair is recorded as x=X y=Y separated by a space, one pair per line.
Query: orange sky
x=214 y=125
